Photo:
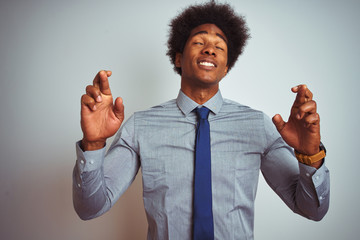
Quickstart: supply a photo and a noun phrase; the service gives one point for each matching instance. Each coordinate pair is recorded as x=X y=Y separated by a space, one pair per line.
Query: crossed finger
x=312 y=119
x=306 y=109
x=88 y=101
x=101 y=82
x=303 y=95
x=93 y=92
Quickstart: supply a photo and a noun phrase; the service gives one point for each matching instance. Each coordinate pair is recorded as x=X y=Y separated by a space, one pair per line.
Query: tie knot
x=203 y=112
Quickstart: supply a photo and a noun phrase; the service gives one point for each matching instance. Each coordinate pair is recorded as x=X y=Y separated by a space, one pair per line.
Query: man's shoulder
x=159 y=107
x=165 y=108
x=233 y=106
x=242 y=113
x=168 y=104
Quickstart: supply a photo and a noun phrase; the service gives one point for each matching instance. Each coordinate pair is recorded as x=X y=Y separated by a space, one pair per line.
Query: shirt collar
x=187 y=105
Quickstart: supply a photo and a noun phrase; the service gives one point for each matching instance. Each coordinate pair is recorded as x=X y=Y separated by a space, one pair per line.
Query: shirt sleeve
x=100 y=178
x=304 y=189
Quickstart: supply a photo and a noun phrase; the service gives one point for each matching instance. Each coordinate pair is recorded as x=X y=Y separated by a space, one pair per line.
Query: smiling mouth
x=207 y=64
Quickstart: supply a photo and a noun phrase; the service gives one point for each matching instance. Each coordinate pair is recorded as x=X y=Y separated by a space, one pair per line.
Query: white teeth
x=207 y=64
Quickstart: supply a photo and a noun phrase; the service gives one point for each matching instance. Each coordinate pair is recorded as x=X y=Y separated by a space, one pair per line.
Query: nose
x=209 y=50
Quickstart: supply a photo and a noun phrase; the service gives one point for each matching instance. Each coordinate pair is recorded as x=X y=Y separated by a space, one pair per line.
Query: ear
x=178 y=57
x=226 y=70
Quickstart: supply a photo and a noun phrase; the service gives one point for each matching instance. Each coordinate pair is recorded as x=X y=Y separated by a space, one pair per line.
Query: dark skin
x=203 y=63
x=100 y=116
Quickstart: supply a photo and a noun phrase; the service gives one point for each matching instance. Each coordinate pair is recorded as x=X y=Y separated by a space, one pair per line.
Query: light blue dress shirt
x=161 y=141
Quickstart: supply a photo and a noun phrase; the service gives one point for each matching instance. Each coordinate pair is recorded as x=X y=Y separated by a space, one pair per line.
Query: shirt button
x=91 y=162
x=321 y=198
x=82 y=161
x=308 y=174
x=317 y=178
x=79 y=185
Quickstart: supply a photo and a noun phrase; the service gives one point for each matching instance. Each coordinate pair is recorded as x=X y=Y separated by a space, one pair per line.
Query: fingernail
x=298 y=116
x=98 y=99
x=94 y=108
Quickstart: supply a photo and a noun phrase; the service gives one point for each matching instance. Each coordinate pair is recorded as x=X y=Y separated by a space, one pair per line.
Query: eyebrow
x=205 y=32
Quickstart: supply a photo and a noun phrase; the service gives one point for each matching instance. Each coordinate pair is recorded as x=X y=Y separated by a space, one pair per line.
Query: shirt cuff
x=312 y=174
x=319 y=177
x=89 y=160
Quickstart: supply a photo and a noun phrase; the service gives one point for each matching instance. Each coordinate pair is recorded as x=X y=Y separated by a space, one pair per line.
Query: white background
x=50 y=51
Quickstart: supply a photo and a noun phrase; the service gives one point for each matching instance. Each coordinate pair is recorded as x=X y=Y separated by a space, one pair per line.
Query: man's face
x=203 y=62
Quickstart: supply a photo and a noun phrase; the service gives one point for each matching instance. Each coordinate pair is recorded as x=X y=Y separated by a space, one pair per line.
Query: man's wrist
x=91 y=145
x=315 y=160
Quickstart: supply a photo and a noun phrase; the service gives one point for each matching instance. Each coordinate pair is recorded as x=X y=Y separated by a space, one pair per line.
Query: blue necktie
x=203 y=218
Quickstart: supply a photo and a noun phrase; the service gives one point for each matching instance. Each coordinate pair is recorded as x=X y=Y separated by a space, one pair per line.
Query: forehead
x=208 y=28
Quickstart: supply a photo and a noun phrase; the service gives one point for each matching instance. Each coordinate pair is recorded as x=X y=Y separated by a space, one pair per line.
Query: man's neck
x=200 y=95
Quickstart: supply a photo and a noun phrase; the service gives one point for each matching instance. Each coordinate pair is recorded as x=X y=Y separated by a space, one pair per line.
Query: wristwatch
x=308 y=160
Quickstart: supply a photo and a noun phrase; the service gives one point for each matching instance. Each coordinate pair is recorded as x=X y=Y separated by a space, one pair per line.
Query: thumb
x=119 y=108
x=278 y=122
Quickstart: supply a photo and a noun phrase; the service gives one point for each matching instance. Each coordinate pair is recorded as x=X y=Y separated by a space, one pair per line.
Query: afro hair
x=222 y=15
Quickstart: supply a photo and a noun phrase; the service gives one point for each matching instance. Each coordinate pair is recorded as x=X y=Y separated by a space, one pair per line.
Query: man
x=166 y=141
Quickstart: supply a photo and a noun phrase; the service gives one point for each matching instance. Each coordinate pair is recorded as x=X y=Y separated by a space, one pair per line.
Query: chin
x=208 y=83
x=208 y=80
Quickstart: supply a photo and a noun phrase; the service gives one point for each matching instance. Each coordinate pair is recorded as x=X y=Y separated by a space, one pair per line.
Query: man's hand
x=100 y=117
x=302 y=131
